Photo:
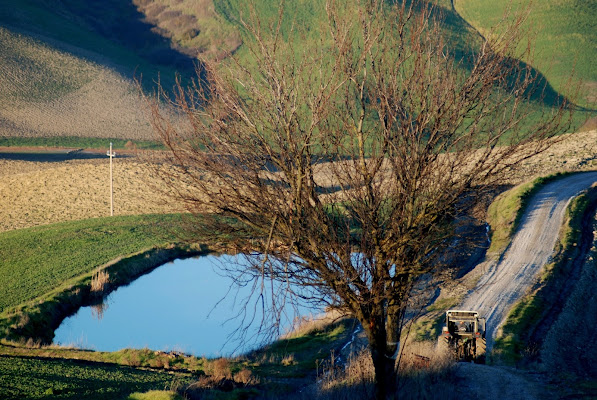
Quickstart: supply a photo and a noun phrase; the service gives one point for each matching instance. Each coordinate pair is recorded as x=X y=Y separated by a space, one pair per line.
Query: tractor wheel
x=480 y=353
x=442 y=347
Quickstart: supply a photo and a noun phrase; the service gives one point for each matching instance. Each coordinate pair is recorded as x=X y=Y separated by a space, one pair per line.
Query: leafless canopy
x=344 y=150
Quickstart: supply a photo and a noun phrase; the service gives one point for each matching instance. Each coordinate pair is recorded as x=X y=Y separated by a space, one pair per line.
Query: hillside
x=49 y=92
x=463 y=42
x=68 y=67
x=566 y=38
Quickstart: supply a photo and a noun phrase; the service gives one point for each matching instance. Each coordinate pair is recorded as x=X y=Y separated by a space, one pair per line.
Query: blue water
x=181 y=306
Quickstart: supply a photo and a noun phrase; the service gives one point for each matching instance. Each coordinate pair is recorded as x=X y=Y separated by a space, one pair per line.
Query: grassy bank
x=519 y=340
x=48 y=272
x=51 y=270
x=37 y=261
x=274 y=371
x=506 y=211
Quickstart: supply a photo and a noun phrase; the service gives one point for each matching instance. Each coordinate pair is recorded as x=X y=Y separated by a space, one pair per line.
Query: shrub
x=99 y=281
x=221 y=368
x=245 y=376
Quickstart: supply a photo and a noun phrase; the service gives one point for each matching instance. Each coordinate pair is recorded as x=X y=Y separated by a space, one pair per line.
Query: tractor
x=464 y=335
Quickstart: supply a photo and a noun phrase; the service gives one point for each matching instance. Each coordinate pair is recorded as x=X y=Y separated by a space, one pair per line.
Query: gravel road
x=506 y=280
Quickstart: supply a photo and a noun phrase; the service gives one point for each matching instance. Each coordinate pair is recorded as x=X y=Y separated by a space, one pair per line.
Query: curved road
x=516 y=271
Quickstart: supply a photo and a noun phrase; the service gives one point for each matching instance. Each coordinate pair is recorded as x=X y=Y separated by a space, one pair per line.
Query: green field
x=40 y=264
x=79 y=143
x=566 y=38
x=463 y=41
x=61 y=373
x=72 y=379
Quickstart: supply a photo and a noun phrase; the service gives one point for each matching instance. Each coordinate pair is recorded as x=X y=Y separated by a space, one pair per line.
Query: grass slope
x=307 y=19
x=72 y=379
x=111 y=33
x=566 y=37
x=47 y=91
x=37 y=261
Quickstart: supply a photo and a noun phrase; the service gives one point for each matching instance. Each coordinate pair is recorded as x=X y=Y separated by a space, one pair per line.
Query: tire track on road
x=508 y=279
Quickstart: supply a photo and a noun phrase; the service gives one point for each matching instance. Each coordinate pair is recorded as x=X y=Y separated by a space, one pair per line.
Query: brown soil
x=570 y=152
x=36 y=193
x=33 y=192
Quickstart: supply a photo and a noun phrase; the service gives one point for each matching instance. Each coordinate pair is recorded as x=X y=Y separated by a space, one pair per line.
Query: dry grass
x=220 y=368
x=245 y=377
x=425 y=373
x=99 y=281
x=307 y=324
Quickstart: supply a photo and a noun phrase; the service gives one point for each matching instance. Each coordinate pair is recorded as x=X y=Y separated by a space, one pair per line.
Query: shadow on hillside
x=92 y=24
x=120 y=22
x=53 y=156
x=464 y=39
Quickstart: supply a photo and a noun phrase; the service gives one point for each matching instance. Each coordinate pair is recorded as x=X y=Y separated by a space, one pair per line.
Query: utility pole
x=111 y=154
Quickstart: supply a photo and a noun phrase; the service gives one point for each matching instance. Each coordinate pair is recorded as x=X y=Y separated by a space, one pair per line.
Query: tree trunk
x=382 y=354
x=385 y=374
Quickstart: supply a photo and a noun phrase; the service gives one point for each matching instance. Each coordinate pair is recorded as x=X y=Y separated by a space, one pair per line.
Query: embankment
x=36 y=323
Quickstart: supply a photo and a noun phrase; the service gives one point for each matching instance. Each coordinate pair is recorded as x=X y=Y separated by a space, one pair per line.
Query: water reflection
x=179 y=306
x=97 y=310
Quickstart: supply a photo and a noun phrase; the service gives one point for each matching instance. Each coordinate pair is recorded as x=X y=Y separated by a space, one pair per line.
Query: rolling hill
x=566 y=38
x=67 y=67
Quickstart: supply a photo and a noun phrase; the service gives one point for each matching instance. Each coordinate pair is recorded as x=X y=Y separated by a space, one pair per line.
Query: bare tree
x=345 y=152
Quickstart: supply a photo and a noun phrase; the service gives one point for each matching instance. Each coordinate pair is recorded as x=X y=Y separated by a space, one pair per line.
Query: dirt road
x=506 y=280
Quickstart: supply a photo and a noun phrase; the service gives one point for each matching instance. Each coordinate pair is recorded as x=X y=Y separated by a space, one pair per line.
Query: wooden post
x=111 y=154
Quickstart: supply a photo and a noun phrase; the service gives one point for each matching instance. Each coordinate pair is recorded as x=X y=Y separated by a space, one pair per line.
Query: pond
x=185 y=306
